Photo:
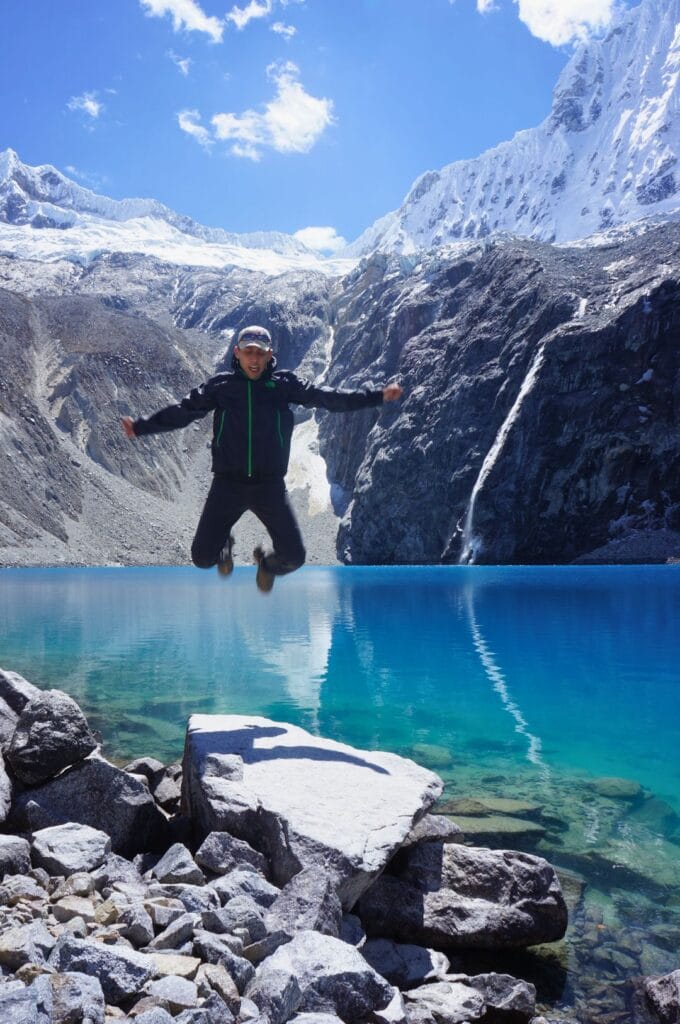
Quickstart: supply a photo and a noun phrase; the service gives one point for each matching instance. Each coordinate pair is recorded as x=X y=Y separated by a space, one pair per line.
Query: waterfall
x=471 y=545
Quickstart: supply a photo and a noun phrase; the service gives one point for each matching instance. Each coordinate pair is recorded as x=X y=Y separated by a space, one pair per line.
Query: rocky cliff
x=541 y=416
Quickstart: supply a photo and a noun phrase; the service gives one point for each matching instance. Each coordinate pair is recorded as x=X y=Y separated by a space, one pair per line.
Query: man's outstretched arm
x=199 y=402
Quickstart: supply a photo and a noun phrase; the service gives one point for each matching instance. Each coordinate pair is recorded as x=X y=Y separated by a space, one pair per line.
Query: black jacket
x=252 y=421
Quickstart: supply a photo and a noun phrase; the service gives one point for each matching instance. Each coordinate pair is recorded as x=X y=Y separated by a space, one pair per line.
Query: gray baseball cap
x=254 y=335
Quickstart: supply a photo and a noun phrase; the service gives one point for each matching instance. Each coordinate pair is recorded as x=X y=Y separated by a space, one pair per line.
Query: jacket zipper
x=278 y=426
x=219 y=432
x=250 y=428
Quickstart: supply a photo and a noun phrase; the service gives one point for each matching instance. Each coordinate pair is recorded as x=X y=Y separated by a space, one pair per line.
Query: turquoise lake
x=523 y=683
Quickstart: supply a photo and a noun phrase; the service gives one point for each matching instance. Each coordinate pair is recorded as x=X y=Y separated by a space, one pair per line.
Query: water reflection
x=377 y=657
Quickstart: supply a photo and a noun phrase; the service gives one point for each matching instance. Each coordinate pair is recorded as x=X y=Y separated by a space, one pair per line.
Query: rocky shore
x=272 y=876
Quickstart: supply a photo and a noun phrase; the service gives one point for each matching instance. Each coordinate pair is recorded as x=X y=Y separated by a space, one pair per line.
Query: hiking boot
x=225 y=562
x=263 y=578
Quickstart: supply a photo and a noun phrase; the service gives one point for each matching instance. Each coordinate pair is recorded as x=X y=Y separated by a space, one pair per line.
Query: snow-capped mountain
x=44 y=215
x=606 y=155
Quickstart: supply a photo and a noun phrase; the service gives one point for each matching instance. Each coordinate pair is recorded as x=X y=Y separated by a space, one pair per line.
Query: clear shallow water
x=511 y=682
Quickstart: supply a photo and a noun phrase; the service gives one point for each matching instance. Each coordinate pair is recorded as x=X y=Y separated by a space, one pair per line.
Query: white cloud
x=255 y=9
x=186 y=14
x=88 y=103
x=90 y=179
x=486 y=6
x=321 y=239
x=288 y=31
x=291 y=123
x=189 y=122
x=183 y=63
x=564 y=21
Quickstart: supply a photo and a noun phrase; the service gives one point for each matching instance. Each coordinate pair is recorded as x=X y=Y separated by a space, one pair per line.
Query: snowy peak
x=38 y=201
x=606 y=155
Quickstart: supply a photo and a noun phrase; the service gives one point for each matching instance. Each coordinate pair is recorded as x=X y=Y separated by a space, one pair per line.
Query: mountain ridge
x=606 y=154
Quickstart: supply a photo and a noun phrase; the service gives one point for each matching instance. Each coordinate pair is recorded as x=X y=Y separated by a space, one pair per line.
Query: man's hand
x=128 y=426
x=392 y=392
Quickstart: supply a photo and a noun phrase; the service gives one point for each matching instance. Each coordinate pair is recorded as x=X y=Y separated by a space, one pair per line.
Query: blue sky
x=277 y=114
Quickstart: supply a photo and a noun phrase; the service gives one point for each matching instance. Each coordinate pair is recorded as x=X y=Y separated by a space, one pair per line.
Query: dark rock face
x=545 y=378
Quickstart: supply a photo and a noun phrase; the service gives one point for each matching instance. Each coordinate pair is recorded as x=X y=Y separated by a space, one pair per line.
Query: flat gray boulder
x=459 y=897
x=51 y=733
x=221 y=852
x=65 y=849
x=333 y=977
x=302 y=799
x=177 y=866
x=444 y=1002
x=98 y=794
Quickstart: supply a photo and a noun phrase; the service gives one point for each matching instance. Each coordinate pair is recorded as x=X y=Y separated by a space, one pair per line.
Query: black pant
x=227 y=501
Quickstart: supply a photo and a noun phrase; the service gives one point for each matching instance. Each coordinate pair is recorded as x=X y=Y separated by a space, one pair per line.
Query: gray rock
x=181 y=930
x=16 y=691
x=315 y=1018
x=69 y=907
x=240 y=913
x=354 y=838
x=216 y=978
x=122 y=972
x=163 y=911
x=260 y=950
x=24 y=944
x=221 y=852
x=155 y=1016
x=178 y=993
x=133 y=922
x=70 y=997
x=663 y=996
x=458 y=897
x=116 y=869
x=308 y=902
x=177 y=866
x=80 y=883
x=5 y=791
x=431 y=828
x=149 y=767
x=502 y=993
x=8 y=723
x=276 y=994
x=51 y=733
x=64 y=849
x=15 y=888
x=332 y=975
x=196 y=898
x=213 y=1011
x=15 y=856
x=95 y=793
x=246 y=882
x=213 y=948
x=448 y=1002
x=167 y=792
x=404 y=964
x=19 y=1005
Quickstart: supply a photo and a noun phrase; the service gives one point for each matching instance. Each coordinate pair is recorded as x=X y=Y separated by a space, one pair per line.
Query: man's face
x=253 y=360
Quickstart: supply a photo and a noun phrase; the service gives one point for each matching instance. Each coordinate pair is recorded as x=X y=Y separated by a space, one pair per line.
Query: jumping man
x=252 y=429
